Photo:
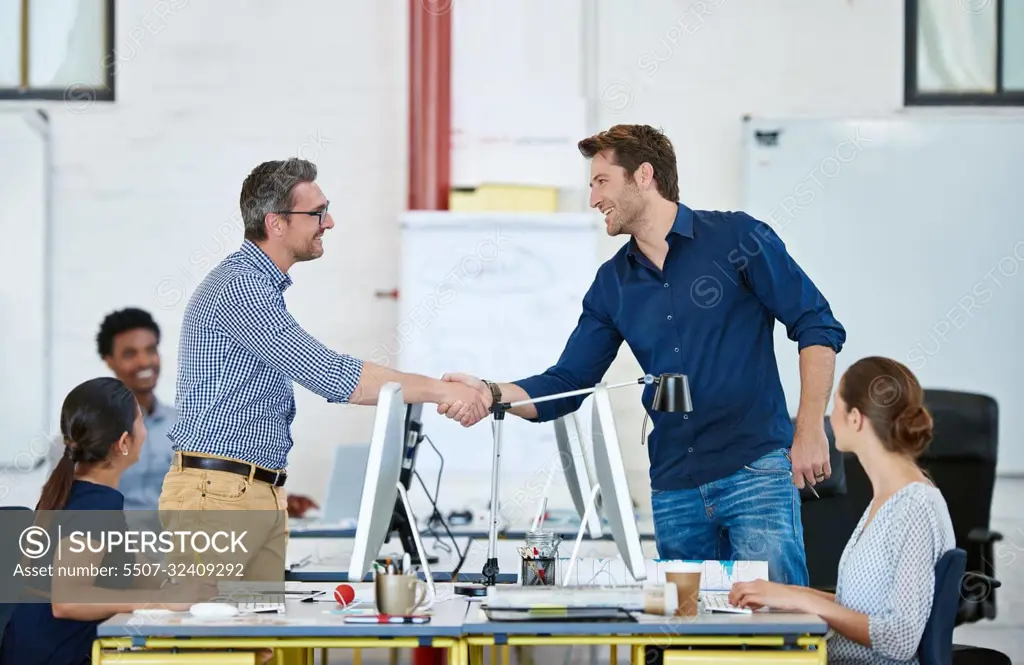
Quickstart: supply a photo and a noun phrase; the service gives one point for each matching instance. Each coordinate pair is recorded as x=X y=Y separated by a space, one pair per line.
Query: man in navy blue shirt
x=698 y=293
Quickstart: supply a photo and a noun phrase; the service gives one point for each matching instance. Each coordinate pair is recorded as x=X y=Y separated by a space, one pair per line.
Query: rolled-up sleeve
x=785 y=289
x=588 y=353
x=253 y=313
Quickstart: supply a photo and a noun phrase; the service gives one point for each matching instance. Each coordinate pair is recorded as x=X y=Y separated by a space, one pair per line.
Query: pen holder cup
x=539 y=571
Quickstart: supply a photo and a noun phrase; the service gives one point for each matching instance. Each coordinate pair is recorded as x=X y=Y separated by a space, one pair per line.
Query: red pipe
x=430 y=117
x=430 y=114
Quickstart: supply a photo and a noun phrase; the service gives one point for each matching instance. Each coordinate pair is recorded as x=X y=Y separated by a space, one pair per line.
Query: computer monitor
x=578 y=475
x=610 y=472
x=382 y=487
x=400 y=522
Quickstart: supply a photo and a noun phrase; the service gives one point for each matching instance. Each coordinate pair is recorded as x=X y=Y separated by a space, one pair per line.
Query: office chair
x=937 y=646
x=937 y=642
x=827 y=521
x=10 y=556
x=961 y=460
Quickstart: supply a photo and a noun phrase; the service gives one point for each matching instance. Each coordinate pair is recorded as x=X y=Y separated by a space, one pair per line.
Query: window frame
x=100 y=92
x=912 y=96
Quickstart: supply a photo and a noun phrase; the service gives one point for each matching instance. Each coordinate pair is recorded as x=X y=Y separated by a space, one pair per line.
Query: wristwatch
x=495 y=391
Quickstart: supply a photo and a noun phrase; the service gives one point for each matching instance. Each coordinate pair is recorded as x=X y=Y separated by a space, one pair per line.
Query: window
x=57 y=49
x=964 y=52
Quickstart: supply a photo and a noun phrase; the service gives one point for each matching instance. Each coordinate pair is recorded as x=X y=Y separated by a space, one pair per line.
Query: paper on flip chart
x=715 y=575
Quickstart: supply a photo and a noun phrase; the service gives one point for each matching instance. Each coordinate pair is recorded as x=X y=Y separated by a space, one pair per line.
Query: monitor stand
x=404 y=527
x=591 y=505
x=415 y=556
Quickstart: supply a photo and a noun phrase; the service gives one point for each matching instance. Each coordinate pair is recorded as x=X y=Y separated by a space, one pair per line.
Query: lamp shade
x=673 y=394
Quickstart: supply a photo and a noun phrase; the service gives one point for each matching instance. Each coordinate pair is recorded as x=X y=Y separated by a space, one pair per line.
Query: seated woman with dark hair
x=886 y=579
x=103 y=433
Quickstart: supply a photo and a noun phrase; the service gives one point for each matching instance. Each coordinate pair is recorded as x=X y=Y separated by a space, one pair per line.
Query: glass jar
x=540 y=558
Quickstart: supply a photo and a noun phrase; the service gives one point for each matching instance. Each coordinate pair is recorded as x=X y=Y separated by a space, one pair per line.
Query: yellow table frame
x=287 y=650
x=469 y=650
x=732 y=650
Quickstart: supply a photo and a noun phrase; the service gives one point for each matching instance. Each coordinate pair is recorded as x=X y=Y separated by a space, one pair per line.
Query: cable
x=436 y=512
x=438 y=543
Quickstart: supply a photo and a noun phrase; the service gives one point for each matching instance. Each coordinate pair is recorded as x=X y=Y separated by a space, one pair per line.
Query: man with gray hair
x=241 y=351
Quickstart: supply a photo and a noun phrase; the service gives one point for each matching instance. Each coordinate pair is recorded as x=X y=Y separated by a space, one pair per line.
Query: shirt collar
x=158 y=413
x=683 y=226
x=263 y=263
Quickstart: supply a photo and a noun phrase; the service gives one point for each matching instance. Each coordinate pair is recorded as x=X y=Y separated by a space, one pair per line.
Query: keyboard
x=719 y=602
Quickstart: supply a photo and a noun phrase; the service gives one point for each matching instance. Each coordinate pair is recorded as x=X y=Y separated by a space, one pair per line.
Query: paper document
x=715 y=576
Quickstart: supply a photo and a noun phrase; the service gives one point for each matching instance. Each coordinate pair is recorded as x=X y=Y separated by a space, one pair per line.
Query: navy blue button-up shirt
x=709 y=314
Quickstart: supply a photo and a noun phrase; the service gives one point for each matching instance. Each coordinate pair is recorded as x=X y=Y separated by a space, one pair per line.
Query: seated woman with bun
x=886 y=578
x=103 y=433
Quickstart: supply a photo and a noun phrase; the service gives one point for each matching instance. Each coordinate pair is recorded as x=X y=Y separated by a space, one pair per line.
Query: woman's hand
x=761 y=593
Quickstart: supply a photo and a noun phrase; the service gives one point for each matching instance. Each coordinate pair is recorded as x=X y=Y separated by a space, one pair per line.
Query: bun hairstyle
x=889 y=395
x=93 y=418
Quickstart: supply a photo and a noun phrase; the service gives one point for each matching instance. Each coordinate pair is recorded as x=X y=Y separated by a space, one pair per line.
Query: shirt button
x=666 y=285
x=689 y=450
x=669 y=317
x=677 y=349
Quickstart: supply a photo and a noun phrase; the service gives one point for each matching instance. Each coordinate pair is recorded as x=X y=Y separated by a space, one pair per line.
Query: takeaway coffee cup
x=686 y=578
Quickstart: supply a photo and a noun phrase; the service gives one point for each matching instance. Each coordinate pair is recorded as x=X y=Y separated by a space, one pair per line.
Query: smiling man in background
x=128 y=342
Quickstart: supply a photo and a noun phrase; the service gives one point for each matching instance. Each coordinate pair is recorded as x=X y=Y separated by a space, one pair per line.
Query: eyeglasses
x=319 y=214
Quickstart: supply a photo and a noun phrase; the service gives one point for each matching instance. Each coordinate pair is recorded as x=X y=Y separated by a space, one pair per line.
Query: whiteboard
x=24 y=295
x=495 y=295
x=912 y=228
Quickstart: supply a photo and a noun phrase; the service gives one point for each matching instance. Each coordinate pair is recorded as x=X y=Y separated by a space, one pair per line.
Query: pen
x=810 y=487
x=406 y=564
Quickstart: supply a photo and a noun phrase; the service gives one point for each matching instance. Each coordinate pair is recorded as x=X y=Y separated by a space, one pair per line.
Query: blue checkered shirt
x=240 y=352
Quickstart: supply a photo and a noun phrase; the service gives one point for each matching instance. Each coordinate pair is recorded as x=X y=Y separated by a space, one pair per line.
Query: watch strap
x=495 y=391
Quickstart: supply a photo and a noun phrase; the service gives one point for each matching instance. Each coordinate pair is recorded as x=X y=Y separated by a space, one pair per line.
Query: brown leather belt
x=275 y=478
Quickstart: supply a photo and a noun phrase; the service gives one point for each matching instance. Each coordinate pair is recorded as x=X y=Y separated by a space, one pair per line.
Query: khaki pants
x=210 y=501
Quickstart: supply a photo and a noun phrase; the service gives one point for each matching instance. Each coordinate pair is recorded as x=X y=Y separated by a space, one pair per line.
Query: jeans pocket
x=775 y=463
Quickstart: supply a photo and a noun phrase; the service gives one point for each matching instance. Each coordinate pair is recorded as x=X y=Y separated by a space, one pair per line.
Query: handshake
x=464 y=398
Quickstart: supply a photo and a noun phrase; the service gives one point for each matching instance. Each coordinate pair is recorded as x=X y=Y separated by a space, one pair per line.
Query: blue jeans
x=752 y=515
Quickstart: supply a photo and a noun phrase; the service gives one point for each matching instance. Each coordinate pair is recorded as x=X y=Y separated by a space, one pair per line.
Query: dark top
x=33 y=636
x=709 y=314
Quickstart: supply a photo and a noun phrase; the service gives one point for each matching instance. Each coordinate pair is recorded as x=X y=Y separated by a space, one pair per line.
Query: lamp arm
x=573 y=393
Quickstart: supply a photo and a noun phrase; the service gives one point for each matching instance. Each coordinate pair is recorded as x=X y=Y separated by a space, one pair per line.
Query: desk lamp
x=672 y=395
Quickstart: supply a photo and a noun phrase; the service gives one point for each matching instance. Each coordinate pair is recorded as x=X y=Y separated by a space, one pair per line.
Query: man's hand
x=468 y=399
x=810 y=455
x=762 y=593
x=299 y=504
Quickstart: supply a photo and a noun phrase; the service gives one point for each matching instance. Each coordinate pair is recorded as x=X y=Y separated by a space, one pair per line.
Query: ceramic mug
x=400 y=595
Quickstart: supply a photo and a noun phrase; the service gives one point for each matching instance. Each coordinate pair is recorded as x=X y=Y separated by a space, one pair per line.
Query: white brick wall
x=146 y=190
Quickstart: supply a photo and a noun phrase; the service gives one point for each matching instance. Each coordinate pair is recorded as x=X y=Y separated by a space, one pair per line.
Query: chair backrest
x=961 y=460
x=937 y=642
x=9 y=558
x=966 y=425
x=827 y=520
